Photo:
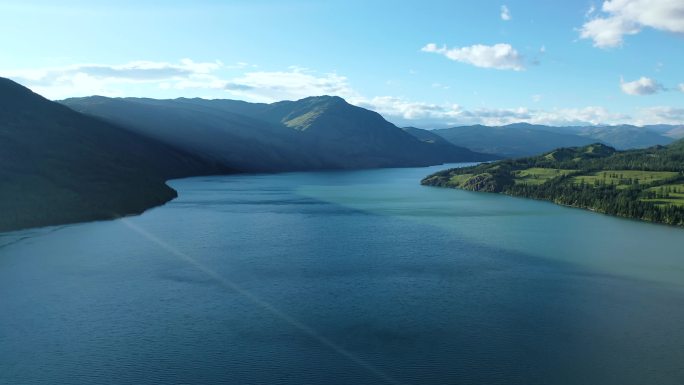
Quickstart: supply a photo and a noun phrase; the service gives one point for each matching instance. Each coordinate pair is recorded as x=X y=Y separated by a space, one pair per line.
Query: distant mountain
x=59 y=166
x=523 y=139
x=676 y=132
x=322 y=132
x=439 y=142
x=511 y=141
x=625 y=136
x=646 y=184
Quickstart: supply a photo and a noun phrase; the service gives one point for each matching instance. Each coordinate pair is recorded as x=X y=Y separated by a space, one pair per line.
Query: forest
x=643 y=184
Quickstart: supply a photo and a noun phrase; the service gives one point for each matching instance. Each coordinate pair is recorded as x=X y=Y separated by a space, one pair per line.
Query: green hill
x=58 y=166
x=644 y=184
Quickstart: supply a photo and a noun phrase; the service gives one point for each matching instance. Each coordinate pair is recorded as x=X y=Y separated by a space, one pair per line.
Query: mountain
x=646 y=184
x=523 y=139
x=59 y=166
x=323 y=132
x=244 y=143
x=511 y=141
x=676 y=132
x=625 y=136
x=439 y=142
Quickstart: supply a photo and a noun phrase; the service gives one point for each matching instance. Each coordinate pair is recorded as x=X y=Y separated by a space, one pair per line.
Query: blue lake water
x=358 y=277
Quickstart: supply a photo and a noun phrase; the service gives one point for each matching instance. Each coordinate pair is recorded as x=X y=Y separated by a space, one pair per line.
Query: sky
x=422 y=63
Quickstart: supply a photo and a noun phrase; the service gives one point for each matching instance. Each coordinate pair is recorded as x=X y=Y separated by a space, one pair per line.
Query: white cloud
x=294 y=84
x=590 y=11
x=505 y=13
x=556 y=117
x=629 y=17
x=681 y=87
x=111 y=80
x=499 y=56
x=659 y=115
x=408 y=113
x=591 y=115
x=405 y=110
x=440 y=86
x=641 y=86
x=99 y=79
x=607 y=32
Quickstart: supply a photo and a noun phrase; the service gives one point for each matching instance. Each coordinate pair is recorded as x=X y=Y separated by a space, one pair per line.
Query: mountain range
x=314 y=133
x=523 y=139
x=58 y=165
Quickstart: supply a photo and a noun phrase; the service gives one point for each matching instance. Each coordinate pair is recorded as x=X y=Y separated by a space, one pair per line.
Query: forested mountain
x=59 y=166
x=625 y=136
x=522 y=139
x=512 y=140
x=645 y=184
x=430 y=137
x=322 y=132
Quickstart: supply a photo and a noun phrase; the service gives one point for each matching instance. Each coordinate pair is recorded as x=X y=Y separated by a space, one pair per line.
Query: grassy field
x=669 y=194
x=458 y=180
x=538 y=175
x=624 y=178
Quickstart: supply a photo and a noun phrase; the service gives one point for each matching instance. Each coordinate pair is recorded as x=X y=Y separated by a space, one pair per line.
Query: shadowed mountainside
x=58 y=166
x=323 y=132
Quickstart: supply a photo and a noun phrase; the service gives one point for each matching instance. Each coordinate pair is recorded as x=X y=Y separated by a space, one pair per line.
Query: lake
x=350 y=277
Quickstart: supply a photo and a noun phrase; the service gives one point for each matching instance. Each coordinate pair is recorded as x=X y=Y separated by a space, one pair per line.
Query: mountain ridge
x=525 y=139
x=314 y=133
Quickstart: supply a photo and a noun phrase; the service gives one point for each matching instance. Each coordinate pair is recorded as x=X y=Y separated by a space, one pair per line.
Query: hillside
x=522 y=139
x=313 y=133
x=643 y=184
x=58 y=166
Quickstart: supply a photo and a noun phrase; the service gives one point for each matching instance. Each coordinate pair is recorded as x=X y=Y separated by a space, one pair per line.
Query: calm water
x=360 y=277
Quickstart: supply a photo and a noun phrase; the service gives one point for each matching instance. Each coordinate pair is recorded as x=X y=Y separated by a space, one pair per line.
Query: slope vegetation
x=643 y=184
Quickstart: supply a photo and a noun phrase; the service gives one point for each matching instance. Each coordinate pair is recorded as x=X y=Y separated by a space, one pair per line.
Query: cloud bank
x=190 y=78
x=100 y=79
x=297 y=83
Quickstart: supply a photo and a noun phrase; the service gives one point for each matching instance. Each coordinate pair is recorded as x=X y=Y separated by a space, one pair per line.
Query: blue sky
x=425 y=63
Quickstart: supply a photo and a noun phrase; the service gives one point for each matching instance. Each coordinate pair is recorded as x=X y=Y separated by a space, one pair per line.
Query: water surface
x=360 y=277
